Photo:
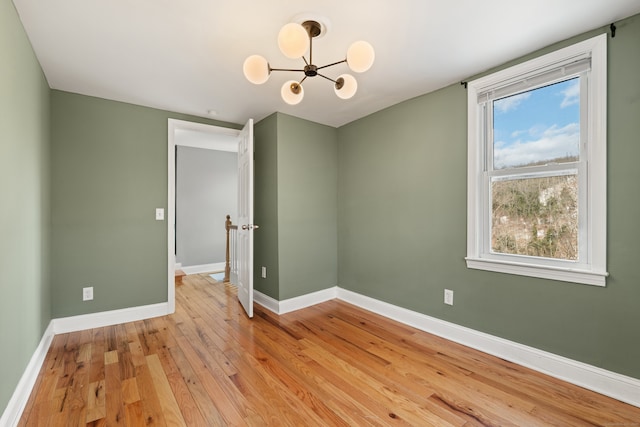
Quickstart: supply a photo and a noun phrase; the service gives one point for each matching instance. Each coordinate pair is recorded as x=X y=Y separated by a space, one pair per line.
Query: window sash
x=550 y=169
x=489 y=180
x=548 y=75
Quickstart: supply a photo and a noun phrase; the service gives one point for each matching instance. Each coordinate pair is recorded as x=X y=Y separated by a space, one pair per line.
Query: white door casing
x=245 y=218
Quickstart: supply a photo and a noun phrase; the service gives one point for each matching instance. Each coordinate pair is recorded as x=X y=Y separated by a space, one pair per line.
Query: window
x=536 y=191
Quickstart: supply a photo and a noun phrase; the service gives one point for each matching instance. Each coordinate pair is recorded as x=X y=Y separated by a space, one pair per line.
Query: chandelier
x=294 y=40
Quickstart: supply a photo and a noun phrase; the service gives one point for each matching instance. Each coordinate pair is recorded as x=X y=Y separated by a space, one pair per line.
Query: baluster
x=227 y=267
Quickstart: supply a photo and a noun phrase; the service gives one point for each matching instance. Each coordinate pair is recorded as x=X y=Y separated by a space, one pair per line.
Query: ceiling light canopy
x=294 y=40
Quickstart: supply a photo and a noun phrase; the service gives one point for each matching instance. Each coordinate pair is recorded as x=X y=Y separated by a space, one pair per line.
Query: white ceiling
x=186 y=55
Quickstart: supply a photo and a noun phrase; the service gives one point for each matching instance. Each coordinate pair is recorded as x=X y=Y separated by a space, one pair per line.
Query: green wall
x=265 y=239
x=25 y=309
x=402 y=225
x=307 y=206
x=296 y=206
x=109 y=174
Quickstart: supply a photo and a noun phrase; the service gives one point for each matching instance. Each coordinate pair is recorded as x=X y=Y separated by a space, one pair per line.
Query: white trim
x=296 y=303
x=266 y=301
x=592 y=268
x=617 y=386
x=171 y=214
x=584 y=277
x=15 y=407
x=81 y=322
x=203 y=268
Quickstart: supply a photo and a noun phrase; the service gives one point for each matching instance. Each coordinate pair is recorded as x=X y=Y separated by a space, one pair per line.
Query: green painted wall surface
x=307 y=206
x=25 y=306
x=266 y=206
x=402 y=225
x=109 y=174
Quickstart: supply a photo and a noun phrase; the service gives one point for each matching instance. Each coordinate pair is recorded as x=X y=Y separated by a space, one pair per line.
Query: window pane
x=537 y=127
x=535 y=216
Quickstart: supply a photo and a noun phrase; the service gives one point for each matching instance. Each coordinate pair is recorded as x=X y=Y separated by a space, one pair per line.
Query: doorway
x=194 y=135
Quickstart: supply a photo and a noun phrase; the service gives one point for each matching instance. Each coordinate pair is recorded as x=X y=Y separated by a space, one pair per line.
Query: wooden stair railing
x=230 y=254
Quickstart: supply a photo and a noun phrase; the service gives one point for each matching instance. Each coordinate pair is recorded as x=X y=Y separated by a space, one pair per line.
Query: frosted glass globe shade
x=289 y=94
x=256 y=69
x=293 y=40
x=360 y=56
x=349 y=87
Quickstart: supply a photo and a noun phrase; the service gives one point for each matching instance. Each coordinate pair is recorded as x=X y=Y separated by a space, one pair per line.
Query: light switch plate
x=159 y=214
x=448 y=296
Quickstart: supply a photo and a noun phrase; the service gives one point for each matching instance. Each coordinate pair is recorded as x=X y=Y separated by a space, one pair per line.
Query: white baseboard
x=107 y=318
x=15 y=407
x=620 y=387
x=204 y=268
x=296 y=303
x=266 y=301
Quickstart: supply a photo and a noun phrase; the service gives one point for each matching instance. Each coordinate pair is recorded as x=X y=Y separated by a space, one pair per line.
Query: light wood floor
x=332 y=364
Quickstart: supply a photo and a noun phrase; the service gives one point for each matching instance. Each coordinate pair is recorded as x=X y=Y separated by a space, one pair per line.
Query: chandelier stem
x=285 y=69
x=330 y=79
x=331 y=65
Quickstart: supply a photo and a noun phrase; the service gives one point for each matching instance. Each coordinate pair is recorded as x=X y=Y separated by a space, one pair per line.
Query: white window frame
x=591 y=267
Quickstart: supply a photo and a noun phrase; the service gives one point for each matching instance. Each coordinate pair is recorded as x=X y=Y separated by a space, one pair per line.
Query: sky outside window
x=538 y=126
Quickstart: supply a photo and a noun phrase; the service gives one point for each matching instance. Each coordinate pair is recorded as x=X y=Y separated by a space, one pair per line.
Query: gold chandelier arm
x=328 y=78
x=331 y=65
x=286 y=69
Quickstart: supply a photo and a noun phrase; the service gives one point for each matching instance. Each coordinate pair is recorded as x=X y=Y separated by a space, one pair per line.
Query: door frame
x=172 y=141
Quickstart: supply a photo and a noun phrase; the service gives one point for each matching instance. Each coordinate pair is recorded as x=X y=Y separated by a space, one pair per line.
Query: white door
x=245 y=218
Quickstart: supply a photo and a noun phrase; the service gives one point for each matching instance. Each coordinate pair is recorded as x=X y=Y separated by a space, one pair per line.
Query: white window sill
x=544 y=272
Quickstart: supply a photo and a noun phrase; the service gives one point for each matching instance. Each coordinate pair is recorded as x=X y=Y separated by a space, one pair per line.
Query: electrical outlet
x=448 y=296
x=264 y=272
x=87 y=293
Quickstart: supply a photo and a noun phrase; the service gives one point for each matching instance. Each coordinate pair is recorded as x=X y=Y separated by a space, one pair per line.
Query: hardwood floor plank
x=225 y=406
x=96 y=407
x=332 y=364
x=133 y=343
x=170 y=408
x=208 y=410
x=96 y=368
x=130 y=393
x=113 y=391
x=134 y=414
x=150 y=398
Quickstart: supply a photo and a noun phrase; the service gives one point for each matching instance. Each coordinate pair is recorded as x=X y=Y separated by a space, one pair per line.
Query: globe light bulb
x=346 y=86
x=360 y=56
x=256 y=69
x=292 y=92
x=293 y=40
